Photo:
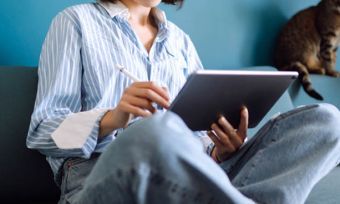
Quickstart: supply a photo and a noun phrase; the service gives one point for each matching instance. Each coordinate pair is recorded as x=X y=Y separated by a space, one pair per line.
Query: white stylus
x=122 y=69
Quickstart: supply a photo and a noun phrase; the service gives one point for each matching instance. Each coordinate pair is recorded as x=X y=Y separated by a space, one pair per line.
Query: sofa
x=25 y=176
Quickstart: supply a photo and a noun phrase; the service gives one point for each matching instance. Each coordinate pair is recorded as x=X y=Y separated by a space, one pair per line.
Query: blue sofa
x=25 y=175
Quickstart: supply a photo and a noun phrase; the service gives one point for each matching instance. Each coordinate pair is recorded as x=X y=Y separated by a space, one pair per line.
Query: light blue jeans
x=159 y=160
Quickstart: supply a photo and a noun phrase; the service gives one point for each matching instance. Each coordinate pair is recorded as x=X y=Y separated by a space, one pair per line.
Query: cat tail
x=305 y=80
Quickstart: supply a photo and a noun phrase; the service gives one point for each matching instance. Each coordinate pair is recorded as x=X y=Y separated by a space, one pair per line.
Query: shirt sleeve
x=193 y=60
x=58 y=101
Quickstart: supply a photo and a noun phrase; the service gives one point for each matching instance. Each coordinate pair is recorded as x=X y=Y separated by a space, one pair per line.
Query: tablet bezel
x=210 y=93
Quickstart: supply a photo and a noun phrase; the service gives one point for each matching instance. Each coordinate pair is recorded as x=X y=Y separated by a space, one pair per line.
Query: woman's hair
x=173 y=2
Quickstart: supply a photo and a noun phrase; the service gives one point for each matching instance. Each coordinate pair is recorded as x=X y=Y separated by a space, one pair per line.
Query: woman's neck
x=142 y=23
x=139 y=14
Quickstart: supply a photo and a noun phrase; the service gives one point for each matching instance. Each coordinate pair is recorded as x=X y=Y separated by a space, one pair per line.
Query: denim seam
x=294 y=112
x=63 y=186
x=158 y=181
x=187 y=194
x=256 y=160
x=244 y=158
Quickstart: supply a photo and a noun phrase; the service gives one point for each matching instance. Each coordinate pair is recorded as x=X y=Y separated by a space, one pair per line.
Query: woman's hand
x=137 y=100
x=227 y=139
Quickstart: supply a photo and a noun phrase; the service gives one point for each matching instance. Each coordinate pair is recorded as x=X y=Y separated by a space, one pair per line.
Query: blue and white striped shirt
x=77 y=74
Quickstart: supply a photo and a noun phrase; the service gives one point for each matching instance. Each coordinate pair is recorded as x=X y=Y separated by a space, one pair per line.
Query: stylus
x=123 y=70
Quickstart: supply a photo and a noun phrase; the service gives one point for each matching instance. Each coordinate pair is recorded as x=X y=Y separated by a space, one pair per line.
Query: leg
x=283 y=162
x=333 y=72
x=157 y=160
x=75 y=171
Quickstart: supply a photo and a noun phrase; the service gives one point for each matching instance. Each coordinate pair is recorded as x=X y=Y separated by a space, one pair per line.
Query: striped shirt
x=77 y=75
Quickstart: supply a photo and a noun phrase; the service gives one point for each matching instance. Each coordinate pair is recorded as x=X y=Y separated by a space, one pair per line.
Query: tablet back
x=209 y=93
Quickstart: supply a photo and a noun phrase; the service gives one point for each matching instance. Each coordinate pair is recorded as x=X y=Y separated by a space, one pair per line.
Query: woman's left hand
x=227 y=139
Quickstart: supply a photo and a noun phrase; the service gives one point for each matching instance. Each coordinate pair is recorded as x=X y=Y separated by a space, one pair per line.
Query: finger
x=136 y=111
x=223 y=138
x=215 y=139
x=139 y=102
x=163 y=92
x=243 y=126
x=148 y=94
x=165 y=89
x=166 y=92
x=229 y=130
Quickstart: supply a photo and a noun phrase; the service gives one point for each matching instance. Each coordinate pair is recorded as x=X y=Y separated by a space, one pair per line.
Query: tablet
x=210 y=93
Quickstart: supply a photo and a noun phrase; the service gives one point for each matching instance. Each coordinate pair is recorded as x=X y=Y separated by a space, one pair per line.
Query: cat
x=308 y=43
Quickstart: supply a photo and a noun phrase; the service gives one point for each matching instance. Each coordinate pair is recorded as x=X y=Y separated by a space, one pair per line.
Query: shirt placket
x=151 y=57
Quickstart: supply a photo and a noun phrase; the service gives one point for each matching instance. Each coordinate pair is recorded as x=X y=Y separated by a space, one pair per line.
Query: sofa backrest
x=24 y=174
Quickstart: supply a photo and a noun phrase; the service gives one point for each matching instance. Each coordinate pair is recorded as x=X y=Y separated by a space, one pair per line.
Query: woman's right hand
x=227 y=139
x=137 y=100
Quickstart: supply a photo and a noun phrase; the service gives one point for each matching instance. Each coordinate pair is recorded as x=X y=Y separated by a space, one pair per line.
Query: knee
x=320 y=121
x=162 y=132
x=328 y=114
x=160 y=126
x=329 y=120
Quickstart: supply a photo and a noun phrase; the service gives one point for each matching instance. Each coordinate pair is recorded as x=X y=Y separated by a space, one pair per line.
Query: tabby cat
x=308 y=43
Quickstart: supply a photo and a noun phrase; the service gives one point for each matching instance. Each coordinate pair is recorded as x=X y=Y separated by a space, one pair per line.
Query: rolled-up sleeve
x=58 y=102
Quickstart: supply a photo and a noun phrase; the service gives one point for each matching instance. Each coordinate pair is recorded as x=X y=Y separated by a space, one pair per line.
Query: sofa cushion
x=327 y=86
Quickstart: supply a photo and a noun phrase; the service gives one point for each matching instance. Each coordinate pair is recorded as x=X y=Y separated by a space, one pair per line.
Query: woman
x=86 y=120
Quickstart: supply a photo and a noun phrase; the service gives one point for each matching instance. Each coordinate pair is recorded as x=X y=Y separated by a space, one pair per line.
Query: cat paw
x=333 y=73
x=318 y=71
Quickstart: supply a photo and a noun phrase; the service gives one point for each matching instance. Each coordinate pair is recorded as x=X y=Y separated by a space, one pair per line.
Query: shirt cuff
x=210 y=148
x=207 y=143
x=79 y=130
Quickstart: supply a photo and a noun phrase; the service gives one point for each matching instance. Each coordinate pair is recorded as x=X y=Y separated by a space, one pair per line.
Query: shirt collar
x=115 y=9
x=119 y=9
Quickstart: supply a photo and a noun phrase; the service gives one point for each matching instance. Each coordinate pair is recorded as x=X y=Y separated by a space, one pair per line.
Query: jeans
x=159 y=160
